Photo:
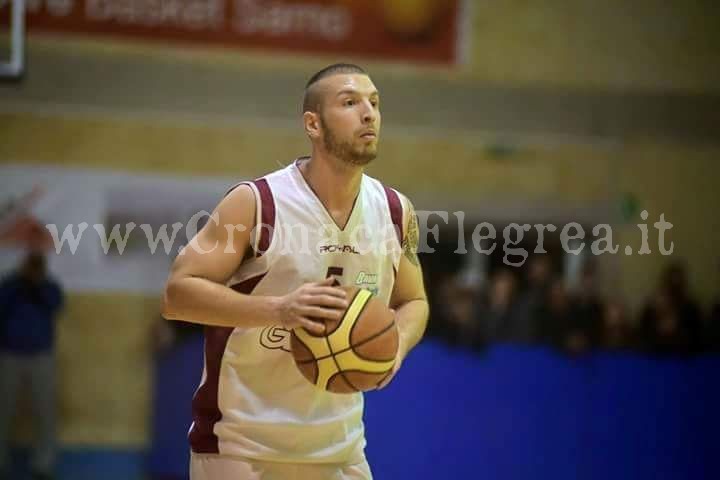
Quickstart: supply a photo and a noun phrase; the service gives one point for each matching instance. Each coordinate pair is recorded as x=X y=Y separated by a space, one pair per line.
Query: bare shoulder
x=411 y=231
x=238 y=206
x=409 y=214
x=408 y=210
x=216 y=251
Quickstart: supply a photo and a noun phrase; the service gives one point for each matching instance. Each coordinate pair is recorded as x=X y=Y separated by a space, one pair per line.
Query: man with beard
x=248 y=279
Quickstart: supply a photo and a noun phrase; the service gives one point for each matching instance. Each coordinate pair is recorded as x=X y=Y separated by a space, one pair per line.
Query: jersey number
x=334 y=272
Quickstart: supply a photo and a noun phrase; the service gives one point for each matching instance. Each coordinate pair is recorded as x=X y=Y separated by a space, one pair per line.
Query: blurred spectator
x=457 y=312
x=713 y=326
x=671 y=322
x=713 y=337
x=525 y=323
x=29 y=303
x=559 y=326
x=662 y=326
x=587 y=304
x=495 y=311
x=675 y=281
x=437 y=326
x=616 y=332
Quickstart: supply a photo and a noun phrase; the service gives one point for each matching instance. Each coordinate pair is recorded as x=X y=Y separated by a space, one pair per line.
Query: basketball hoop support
x=15 y=67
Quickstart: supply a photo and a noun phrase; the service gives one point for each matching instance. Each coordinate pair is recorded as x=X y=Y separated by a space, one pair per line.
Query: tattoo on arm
x=410 y=242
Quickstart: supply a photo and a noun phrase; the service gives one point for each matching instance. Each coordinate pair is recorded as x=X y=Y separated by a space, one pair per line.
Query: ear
x=311 y=123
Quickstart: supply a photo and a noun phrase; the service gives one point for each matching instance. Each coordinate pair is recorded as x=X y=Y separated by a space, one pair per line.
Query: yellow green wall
x=677 y=180
x=639 y=44
x=105 y=358
x=682 y=184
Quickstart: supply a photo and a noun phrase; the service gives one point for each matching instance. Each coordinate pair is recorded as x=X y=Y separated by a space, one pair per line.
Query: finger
x=321 y=313
x=328 y=301
x=332 y=291
x=328 y=281
x=312 y=326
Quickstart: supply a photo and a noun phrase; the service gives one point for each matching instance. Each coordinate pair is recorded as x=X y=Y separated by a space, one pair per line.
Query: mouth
x=368 y=135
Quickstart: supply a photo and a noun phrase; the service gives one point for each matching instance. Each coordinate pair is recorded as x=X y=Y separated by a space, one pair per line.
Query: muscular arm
x=196 y=290
x=408 y=298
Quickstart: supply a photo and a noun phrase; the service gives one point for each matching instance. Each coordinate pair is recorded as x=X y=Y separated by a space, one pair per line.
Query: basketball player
x=249 y=280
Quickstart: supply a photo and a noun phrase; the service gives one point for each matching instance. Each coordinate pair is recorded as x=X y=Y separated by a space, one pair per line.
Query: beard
x=348 y=152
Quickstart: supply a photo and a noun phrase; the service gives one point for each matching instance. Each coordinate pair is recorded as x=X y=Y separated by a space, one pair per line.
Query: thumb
x=327 y=282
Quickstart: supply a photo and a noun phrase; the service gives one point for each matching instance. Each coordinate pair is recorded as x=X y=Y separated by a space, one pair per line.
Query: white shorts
x=216 y=467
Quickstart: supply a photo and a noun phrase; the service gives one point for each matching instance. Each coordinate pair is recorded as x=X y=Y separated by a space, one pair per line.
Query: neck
x=335 y=183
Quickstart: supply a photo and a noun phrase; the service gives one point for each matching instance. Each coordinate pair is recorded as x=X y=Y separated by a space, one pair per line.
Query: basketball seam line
x=359 y=344
x=315 y=359
x=387 y=374
x=304 y=362
x=334 y=355
x=364 y=371
x=351 y=347
x=339 y=370
x=357 y=317
x=325 y=333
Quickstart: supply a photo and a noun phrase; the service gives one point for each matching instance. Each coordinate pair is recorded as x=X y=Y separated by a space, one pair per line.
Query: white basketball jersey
x=253 y=402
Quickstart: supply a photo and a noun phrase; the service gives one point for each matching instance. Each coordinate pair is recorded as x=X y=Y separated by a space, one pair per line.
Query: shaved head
x=341 y=113
x=313 y=92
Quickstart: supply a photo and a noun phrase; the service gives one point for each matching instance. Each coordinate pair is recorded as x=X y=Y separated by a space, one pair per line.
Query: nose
x=368 y=115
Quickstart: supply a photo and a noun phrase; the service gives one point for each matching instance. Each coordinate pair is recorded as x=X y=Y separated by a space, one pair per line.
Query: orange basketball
x=356 y=353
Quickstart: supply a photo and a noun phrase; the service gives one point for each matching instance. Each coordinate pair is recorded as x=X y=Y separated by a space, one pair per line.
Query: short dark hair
x=34 y=261
x=311 y=99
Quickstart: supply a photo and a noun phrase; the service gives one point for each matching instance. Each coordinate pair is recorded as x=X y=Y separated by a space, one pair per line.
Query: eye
x=349 y=102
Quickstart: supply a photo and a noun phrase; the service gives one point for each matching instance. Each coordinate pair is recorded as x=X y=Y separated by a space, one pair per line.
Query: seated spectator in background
x=29 y=303
x=712 y=339
x=437 y=326
x=587 y=304
x=524 y=326
x=671 y=322
x=456 y=310
x=662 y=327
x=713 y=335
x=675 y=281
x=496 y=309
x=559 y=326
x=616 y=331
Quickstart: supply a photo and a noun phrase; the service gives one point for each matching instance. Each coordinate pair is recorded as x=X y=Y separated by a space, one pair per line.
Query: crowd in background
x=539 y=308
x=536 y=307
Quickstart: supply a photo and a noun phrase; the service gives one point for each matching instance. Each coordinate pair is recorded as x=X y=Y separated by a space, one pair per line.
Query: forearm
x=202 y=301
x=411 y=318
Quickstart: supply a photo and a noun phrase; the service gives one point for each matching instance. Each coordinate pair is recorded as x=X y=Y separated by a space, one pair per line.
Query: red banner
x=405 y=30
